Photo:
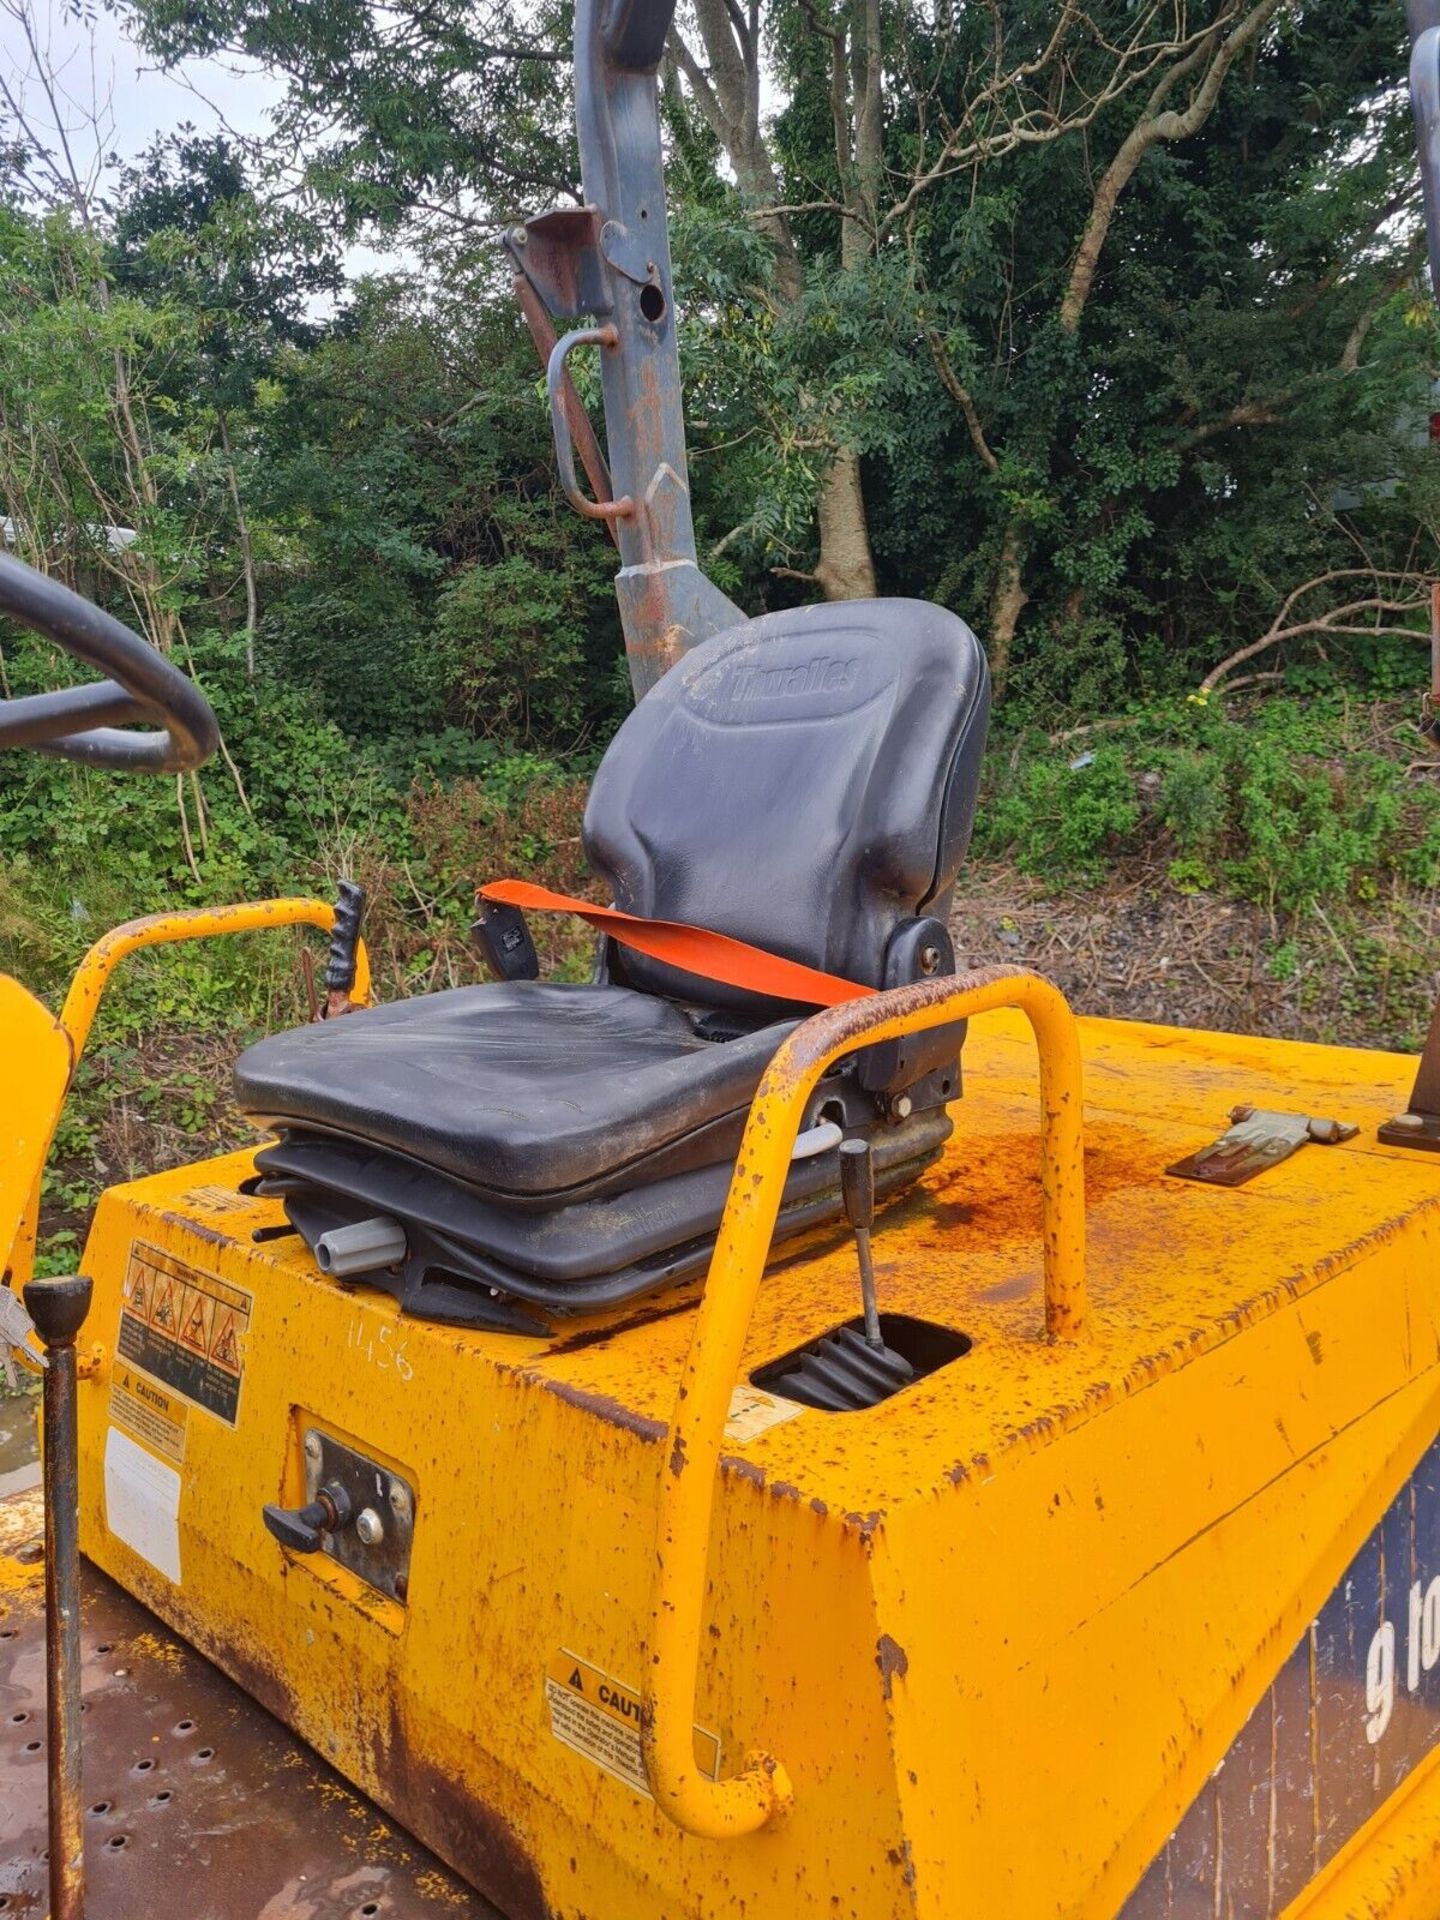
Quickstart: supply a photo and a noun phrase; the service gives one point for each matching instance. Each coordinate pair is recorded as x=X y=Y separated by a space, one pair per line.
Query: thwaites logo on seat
x=1353 y=1711
x=823 y=674
x=185 y=1328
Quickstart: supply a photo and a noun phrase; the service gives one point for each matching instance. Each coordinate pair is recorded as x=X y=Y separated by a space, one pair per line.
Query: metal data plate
x=389 y=1502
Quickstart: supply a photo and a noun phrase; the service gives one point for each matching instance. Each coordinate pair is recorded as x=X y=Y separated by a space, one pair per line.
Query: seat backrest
x=805 y=783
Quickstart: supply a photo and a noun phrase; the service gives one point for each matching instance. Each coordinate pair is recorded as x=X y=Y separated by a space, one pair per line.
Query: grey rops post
x=611 y=260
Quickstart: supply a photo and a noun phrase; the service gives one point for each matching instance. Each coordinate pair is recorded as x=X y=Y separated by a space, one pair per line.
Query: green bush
x=1282 y=807
x=1061 y=817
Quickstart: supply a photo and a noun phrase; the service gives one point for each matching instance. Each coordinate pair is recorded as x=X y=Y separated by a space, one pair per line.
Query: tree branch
x=1334 y=620
x=1152 y=127
x=962 y=397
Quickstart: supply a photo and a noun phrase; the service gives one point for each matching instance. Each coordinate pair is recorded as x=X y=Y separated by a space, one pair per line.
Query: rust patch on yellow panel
x=893 y=1662
x=612 y=1411
x=476 y=1839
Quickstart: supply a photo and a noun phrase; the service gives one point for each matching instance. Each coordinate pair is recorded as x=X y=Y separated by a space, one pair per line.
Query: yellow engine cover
x=1001 y=1629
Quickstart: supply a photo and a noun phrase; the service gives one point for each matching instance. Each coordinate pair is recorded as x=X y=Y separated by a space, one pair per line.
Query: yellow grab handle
x=92 y=976
x=727 y=1809
x=18 y=1218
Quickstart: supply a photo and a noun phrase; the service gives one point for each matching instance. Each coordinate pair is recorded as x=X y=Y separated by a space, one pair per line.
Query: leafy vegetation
x=1143 y=397
x=1298 y=803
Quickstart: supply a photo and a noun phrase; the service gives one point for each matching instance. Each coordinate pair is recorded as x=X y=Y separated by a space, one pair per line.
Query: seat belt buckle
x=503 y=941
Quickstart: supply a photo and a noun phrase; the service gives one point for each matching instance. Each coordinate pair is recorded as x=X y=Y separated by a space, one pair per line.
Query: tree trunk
x=247 y=555
x=846 y=567
x=1007 y=603
x=728 y=96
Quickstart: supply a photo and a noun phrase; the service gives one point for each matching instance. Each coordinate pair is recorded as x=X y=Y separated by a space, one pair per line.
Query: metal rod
x=58 y=1308
x=867 y=1287
x=857 y=1191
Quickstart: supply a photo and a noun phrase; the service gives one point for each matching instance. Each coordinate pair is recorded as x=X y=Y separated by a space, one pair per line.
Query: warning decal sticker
x=142 y=1503
x=185 y=1329
x=148 y=1411
x=600 y=1718
x=753 y=1412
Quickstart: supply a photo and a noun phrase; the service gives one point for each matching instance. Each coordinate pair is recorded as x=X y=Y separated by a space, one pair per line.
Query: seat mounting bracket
x=1419 y=1126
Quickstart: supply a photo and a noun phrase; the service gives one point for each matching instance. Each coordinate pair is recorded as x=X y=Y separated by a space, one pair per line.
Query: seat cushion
x=523 y=1090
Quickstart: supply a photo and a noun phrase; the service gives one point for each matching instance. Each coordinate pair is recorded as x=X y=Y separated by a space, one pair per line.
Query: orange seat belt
x=712 y=956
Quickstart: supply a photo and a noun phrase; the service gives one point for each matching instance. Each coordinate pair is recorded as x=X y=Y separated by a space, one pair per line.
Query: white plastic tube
x=377 y=1242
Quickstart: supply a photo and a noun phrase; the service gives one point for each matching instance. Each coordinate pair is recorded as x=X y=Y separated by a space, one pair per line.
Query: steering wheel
x=87 y=723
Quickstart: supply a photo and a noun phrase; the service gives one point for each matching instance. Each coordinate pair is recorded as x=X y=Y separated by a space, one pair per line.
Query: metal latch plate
x=1256 y=1139
x=379 y=1550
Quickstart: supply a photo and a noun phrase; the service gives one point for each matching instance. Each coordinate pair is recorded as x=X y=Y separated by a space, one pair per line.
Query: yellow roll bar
x=82 y=1002
x=92 y=976
x=727 y=1809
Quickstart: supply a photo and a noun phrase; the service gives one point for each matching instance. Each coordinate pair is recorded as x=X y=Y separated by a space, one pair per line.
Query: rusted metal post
x=58 y=1307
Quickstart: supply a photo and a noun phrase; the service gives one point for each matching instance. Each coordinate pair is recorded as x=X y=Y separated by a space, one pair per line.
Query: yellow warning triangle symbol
x=139 y=1299
x=164 y=1315
x=223 y=1352
x=576 y=1681
x=194 y=1330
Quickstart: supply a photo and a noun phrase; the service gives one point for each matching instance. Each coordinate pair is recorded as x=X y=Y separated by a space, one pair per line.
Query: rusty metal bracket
x=609 y=260
x=558 y=253
x=1258 y=1138
x=1419 y=1126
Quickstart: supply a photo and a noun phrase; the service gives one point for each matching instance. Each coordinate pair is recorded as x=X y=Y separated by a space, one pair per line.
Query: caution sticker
x=148 y=1411
x=753 y=1412
x=185 y=1329
x=217 y=1199
x=600 y=1717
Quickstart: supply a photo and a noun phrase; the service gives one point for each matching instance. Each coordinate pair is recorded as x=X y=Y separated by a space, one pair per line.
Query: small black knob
x=300 y=1528
x=857 y=1183
x=58 y=1306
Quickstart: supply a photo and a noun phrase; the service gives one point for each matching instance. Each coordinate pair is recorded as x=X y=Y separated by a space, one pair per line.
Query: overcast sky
x=96 y=61
x=99 y=66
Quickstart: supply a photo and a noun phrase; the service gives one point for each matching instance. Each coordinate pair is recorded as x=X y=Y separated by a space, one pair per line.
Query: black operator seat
x=806 y=783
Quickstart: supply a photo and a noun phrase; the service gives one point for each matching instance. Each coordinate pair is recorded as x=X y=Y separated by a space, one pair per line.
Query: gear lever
x=857 y=1190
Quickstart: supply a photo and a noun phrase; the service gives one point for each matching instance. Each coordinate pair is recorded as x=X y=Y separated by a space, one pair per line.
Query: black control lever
x=300 y=1528
x=857 y=1190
